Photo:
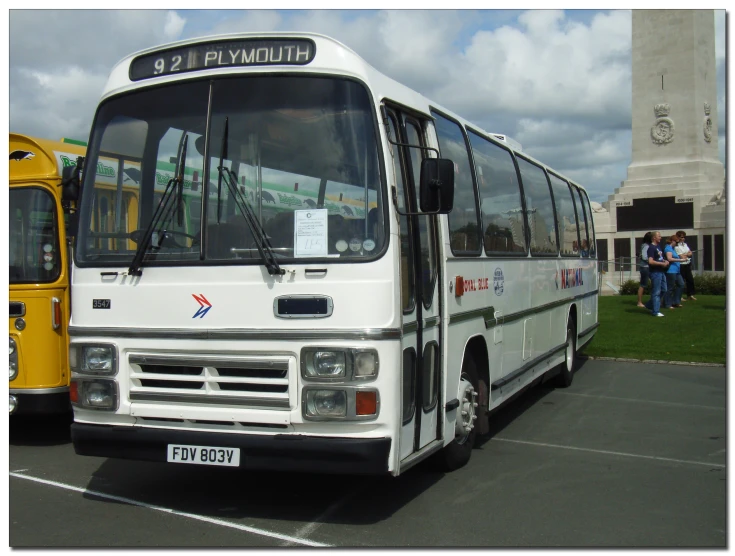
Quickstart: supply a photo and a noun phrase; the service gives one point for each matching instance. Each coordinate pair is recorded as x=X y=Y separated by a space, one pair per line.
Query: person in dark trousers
x=686 y=266
x=674 y=281
x=643 y=267
x=657 y=266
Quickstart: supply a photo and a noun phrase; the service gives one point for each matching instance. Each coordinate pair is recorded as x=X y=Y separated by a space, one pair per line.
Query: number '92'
x=160 y=65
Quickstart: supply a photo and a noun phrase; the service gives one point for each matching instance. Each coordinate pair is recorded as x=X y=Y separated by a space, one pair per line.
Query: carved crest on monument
x=707 y=123
x=662 y=131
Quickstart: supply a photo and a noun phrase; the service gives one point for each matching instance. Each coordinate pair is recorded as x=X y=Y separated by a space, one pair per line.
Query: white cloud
x=87 y=38
x=67 y=108
x=557 y=81
x=173 y=26
x=720 y=36
x=547 y=66
x=242 y=22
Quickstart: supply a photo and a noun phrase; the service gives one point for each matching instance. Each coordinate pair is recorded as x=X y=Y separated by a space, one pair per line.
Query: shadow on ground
x=285 y=497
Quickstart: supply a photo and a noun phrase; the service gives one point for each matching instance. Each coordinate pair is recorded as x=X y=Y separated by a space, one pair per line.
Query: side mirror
x=437 y=185
x=70 y=181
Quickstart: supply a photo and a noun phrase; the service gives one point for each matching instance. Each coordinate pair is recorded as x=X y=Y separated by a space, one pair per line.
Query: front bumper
x=281 y=452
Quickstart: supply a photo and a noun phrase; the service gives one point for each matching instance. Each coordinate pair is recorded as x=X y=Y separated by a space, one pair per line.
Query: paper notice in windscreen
x=310 y=233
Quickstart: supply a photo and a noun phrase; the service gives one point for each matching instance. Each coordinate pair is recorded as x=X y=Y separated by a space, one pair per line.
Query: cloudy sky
x=557 y=81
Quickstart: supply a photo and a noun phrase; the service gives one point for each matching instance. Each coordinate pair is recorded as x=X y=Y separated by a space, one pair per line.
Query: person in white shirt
x=683 y=251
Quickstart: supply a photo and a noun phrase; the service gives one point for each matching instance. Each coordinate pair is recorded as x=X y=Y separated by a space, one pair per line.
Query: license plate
x=204 y=455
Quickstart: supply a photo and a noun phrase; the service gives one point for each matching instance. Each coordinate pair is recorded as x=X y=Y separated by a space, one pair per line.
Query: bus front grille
x=240 y=381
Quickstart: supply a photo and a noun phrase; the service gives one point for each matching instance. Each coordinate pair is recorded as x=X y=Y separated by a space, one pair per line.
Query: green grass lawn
x=694 y=332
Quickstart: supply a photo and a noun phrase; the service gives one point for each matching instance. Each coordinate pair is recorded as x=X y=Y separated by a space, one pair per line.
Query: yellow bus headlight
x=13 y=359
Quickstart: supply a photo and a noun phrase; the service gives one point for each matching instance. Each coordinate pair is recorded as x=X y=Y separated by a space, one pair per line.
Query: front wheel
x=566 y=374
x=458 y=452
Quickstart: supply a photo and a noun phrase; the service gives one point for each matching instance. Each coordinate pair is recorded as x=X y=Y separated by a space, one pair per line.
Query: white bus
x=364 y=275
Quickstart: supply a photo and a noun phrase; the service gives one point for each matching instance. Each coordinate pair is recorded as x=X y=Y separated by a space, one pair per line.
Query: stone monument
x=675 y=178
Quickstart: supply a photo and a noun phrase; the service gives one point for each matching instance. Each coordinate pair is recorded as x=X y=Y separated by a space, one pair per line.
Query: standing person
x=657 y=266
x=643 y=267
x=674 y=281
x=686 y=266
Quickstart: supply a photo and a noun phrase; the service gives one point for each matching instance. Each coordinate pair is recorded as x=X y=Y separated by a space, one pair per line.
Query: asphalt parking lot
x=631 y=455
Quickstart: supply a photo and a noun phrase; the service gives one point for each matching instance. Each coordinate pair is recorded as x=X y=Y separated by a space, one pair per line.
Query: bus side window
x=500 y=197
x=590 y=223
x=584 y=245
x=425 y=224
x=406 y=269
x=539 y=209
x=565 y=215
x=464 y=220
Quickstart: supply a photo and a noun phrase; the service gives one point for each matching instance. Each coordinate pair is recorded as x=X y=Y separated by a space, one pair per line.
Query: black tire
x=458 y=452
x=566 y=369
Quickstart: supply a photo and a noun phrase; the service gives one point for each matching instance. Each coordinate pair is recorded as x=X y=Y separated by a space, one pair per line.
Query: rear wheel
x=457 y=454
x=566 y=373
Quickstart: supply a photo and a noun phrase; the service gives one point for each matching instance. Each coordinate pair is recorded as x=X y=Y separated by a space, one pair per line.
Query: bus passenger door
x=419 y=294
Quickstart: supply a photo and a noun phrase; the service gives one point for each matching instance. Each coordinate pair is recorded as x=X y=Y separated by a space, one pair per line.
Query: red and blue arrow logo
x=204 y=305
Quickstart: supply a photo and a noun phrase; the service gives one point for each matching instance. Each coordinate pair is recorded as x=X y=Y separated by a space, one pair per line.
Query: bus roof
x=330 y=56
x=36 y=158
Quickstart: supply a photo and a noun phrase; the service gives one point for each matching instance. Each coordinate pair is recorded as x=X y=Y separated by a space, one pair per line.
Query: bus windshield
x=34 y=239
x=293 y=144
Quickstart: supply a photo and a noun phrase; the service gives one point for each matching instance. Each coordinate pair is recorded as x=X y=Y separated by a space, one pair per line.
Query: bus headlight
x=326 y=403
x=98 y=359
x=13 y=359
x=330 y=364
x=95 y=394
x=325 y=364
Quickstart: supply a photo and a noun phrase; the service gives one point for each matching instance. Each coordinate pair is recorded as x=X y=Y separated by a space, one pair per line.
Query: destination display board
x=219 y=54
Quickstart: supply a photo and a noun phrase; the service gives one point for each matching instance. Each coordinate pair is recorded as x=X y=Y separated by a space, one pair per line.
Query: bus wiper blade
x=137 y=264
x=256 y=228
x=182 y=169
x=163 y=210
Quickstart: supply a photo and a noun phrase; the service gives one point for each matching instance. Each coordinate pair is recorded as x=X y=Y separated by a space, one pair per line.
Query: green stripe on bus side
x=73 y=142
x=488 y=313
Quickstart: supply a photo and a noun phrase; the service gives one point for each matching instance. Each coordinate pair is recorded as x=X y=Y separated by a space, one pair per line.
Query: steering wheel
x=170 y=235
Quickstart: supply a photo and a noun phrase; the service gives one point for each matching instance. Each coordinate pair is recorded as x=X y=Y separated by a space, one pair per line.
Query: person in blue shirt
x=657 y=266
x=674 y=281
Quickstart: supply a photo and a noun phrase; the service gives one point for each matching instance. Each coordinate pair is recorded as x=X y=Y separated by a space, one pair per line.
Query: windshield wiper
x=163 y=210
x=256 y=228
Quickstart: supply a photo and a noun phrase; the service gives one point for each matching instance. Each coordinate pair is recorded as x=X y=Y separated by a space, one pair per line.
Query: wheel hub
x=467 y=416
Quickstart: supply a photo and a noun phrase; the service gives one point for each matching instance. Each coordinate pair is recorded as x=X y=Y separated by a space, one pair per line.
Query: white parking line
x=253 y=530
x=673 y=404
x=315 y=524
x=657 y=458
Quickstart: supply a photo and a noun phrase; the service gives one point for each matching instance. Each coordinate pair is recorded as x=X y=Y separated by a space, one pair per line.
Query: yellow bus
x=44 y=184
